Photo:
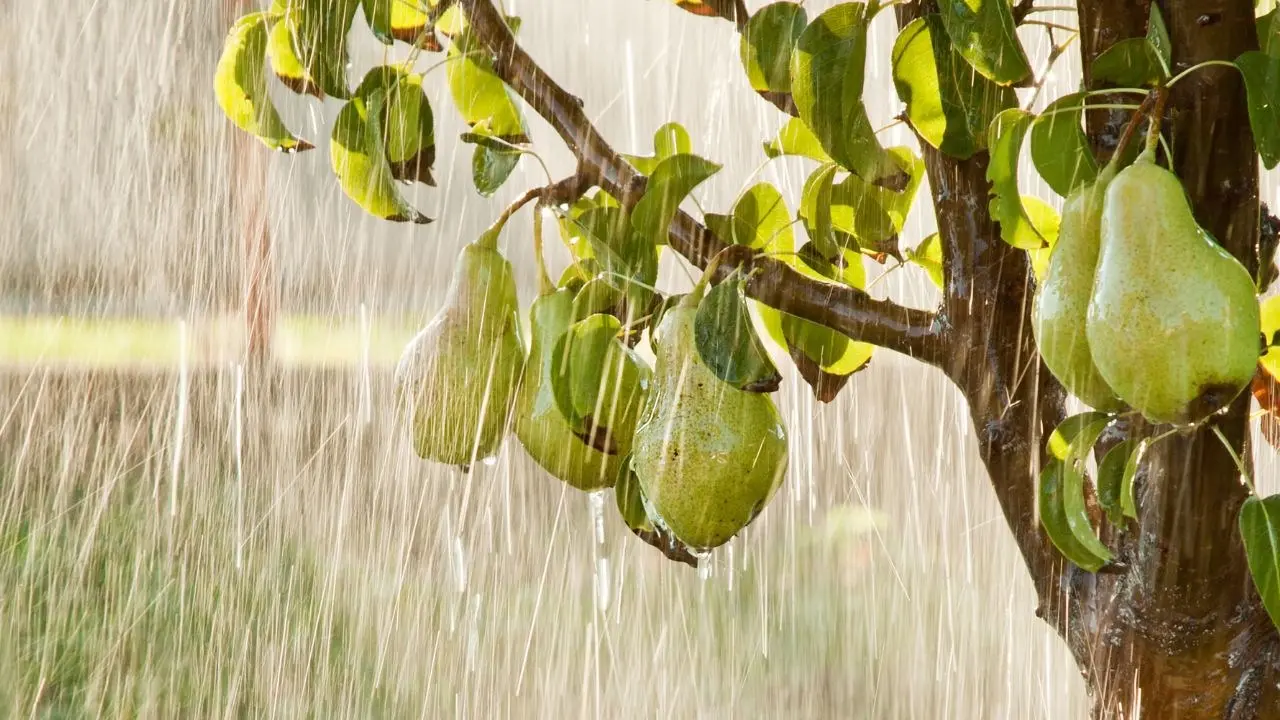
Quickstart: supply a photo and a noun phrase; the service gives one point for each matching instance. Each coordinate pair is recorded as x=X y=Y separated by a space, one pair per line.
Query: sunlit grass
x=299 y=340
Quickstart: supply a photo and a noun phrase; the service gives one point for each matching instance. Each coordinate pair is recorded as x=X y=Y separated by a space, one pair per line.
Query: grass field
x=230 y=550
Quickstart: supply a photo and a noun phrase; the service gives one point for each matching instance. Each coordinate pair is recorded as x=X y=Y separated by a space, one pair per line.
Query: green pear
x=458 y=376
x=708 y=455
x=541 y=426
x=1062 y=301
x=1173 y=324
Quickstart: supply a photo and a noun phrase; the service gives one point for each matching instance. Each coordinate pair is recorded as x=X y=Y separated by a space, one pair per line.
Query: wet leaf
x=1111 y=472
x=659 y=310
x=1128 y=504
x=727 y=340
x=766 y=45
x=815 y=210
x=629 y=498
x=875 y=215
x=827 y=70
x=285 y=62
x=478 y=92
x=928 y=255
x=1066 y=440
x=579 y=362
x=795 y=138
x=319 y=30
x=359 y=159
x=1059 y=147
x=490 y=168
x=948 y=103
x=1262 y=89
x=598 y=296
x=984 y=33
x=240 y=83
x=670 y=139
x=671 y=182
x=1004 y=138
x=1269 y=33
x=1260 y=531
x=1046 y=222
x=407 y=121
x=404 y=20
x=760 y=220
x=1062 y=515
x=1158 y=39
x=1130 y=63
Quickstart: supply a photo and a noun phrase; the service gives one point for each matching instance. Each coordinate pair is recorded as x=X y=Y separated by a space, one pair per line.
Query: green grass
x=134 y=342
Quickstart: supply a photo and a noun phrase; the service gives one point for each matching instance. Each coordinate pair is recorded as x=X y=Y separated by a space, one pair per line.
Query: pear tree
x=1158 y=563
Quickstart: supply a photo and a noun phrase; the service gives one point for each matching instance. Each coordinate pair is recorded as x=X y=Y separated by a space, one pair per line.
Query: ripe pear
x=1173 y=323
x=543 y=429
x=708 y=455
x=458 y=376
x=1062 y=301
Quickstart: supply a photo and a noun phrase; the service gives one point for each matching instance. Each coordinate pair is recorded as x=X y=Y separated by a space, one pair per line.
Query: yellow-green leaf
x=984 y=34
x=359 y=160
x=671 y=181
x=478 y=92
x=240 y=83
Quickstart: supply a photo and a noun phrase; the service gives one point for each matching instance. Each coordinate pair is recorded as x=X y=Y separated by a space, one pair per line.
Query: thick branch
x=850 y=311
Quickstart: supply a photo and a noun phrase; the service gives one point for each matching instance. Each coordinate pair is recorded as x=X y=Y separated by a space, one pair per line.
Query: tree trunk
x=1177 y=631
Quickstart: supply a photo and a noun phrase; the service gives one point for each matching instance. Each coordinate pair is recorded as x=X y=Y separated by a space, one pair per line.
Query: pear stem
x=695 y=295
x=545 y=286
x=490 y=237
x=1130 y=130
x=1157 y=116
x=1248 y=481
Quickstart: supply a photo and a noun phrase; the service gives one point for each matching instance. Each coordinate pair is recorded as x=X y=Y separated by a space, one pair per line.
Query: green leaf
x=319 y=38
x=1128 y=504
x=874 y=215
x=1270 y=310
x=404 y=20
x=285 y=63
x=670 y=139
x=407 y=121
x=1059 y=147
x=669 y=184
x=1064 y=519
x=1044 y=221
x=630 y=500
x=478 y=92
x=1004 y=138
x=629 y=260
x=490 y=168
x=582 y=356
x=949 y=104
x=359 y=159
x=727 y=340
x=827 y=69
x=240 y=83
x=928 y=255
x=1111 y=473
x=1130 y=63
x=815 y=211
x=834 y=355
x=1158 y=39
x=1260 y=530
x=1262 y=88
x=766 y=45
x=1269 y=33
x=984 y=33
x=795 y=138
x=1065 y=440
x=377 y=14
x=759 y=220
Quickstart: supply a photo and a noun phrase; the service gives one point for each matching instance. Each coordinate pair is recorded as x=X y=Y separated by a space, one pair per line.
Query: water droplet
x=490 y=461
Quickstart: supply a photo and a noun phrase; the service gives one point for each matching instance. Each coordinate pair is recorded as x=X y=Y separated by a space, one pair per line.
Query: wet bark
x=1178 y=631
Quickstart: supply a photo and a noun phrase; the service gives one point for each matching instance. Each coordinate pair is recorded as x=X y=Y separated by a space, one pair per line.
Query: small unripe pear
x=458 y=376
x=708 y=455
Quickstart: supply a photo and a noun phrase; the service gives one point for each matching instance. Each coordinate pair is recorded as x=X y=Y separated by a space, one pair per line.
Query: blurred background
x=175 y=542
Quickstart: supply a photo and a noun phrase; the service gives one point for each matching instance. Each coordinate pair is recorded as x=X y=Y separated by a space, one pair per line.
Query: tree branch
x=917 y=333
